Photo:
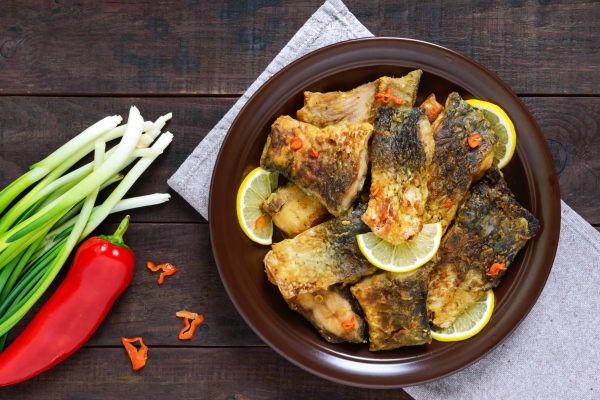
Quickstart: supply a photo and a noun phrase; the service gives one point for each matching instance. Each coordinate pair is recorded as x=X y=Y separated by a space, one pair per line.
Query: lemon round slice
x=469 y=323
x=502 y=126
x=255 y=188
x=404 y=257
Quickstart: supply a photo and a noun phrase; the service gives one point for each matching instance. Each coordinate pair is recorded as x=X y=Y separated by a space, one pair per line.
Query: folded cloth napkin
x=552 y=354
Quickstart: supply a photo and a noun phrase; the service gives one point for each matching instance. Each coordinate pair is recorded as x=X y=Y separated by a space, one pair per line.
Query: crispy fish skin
x=400 y=157
x=360 y=104
x=322 y=256
x=490 y=227
x=334 y=313
x=455 y=165
x=395 y=309
x=293 y=211
x=404 y=88
x=323 y=109
x=331 y=165
x=432 y=108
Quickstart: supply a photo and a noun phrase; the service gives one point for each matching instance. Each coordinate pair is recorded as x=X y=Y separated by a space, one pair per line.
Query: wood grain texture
x=188 y=373
x=220 y=47
x=33 y=127
x=570 y=125
x=148 y=309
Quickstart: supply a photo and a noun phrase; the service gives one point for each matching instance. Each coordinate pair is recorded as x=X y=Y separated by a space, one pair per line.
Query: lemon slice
x=502 y=126
x=469 y=323
x=404 y=257
x=255 y=188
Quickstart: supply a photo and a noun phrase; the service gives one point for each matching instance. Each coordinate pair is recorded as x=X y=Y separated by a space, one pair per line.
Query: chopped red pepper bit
x=188 y=330
x=296 y=143
x=474 y=140
x=314 y=152
x=448 y=204
x=260 y=223
x=347 y=325
x=138 y=357
x=375 y=191
x=385 y=96
x=495 y=268
x=168 y=269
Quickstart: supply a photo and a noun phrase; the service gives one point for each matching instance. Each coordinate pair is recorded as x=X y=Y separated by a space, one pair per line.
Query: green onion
x=40 y=231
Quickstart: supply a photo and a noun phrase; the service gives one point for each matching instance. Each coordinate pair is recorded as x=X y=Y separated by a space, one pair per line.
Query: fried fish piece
x=394 y=307
x=490 y=228
x=400 y=158
x=455 y=165
x=356 y=105
x=319 y=257
x=404 y=89
x=293 y=211
x=334 y=313
x=329 y=164
x=360 y=104
x=432 y=108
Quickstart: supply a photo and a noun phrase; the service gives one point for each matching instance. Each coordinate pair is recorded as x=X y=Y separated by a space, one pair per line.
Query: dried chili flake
x=167 y=268
x=474 y=140
x=495 y=268
x=347 y=325
x=296 y=143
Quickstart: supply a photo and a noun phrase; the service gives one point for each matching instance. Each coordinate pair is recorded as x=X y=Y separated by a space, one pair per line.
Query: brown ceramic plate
x=343 y=66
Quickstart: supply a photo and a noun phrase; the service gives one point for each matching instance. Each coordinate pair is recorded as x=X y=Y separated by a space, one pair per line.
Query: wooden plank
x=570 y=125
x=192 y=373
x=48 y=122
x=208 y=47
x=148 y=309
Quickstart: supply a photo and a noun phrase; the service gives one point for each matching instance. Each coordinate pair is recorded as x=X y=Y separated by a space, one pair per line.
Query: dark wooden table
x=66 y=64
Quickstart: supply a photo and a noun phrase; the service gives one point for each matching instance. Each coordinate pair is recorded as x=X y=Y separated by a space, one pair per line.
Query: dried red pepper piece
x=347 y=325
x=167 y=268
x=188 y=330
x=138 y=357
x=386 y=98
x=495 y=268
x=296 y=143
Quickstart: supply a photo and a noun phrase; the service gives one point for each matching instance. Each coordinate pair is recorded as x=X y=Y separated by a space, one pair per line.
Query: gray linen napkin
x=552 y=354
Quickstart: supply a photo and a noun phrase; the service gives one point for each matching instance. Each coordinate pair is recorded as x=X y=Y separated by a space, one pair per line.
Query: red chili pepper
x=495 y=268
x=296 y=143
x=138 y=357
x=474 y=140
x=167 y=268
x=102 y=269
x=347 y=325
x=314 y=152
x=188 y=330
x=385 y=96
x=260 y=223
x=448 y=204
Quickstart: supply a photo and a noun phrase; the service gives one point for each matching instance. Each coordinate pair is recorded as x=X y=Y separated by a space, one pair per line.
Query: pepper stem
x=117 y=237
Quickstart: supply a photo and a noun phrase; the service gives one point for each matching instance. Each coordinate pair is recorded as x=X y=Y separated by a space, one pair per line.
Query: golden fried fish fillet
x=456 y=165
x=329 y=164
x=400 y=157
x=334 y=313
x=293 y=211
x=319 y=257
x=394 y=307
x=489 y=230
x=432 y=108
x=359 y=104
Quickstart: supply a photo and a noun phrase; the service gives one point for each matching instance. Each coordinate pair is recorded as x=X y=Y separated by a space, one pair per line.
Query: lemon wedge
x=404 y=257
x=502 y=126
x=255 y=188
x=469 y=323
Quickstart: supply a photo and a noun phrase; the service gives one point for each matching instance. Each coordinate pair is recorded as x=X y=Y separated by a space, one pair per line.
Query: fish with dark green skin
x=394 y=305
x=400 y=157
x=489 y=230
x=330 y=164
x=359 y=104
x=334 y=313
x=456 y=165
x=322 y=256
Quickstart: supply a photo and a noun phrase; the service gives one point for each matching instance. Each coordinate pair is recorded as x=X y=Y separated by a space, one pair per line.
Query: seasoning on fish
x=336 y=177
x=455 y=165
x=360 y=104
x=334 y=313
x=319 y=257
x=394 y=305
x=400 y=157
x=293 y=211
x=488 y=231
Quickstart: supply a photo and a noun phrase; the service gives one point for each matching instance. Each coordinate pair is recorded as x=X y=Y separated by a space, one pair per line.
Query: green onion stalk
x=40 y=231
